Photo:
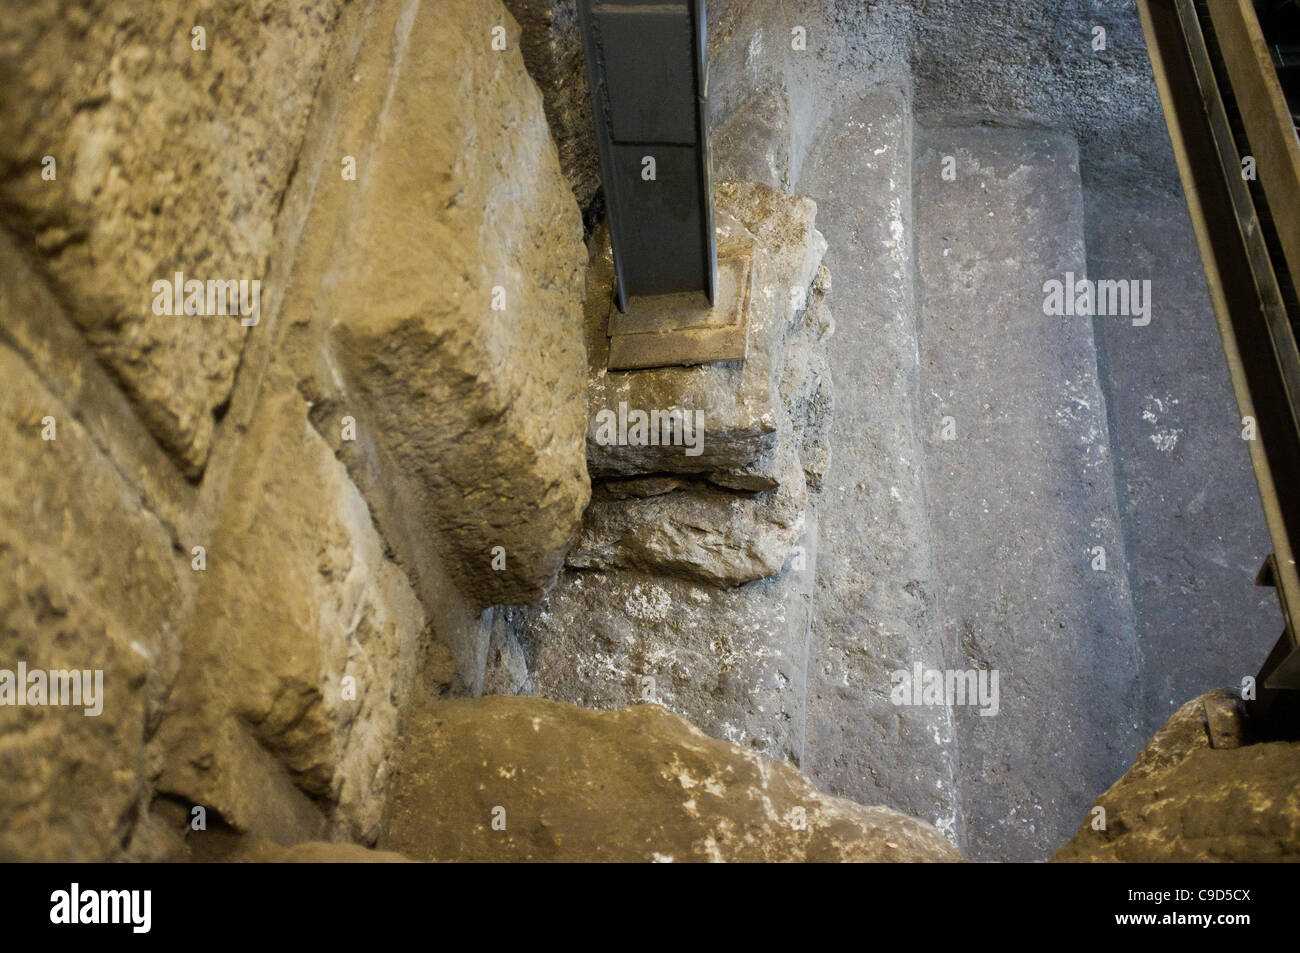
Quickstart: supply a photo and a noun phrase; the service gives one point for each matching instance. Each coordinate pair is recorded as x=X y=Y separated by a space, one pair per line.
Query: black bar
x=648 y=80
x=918 y=906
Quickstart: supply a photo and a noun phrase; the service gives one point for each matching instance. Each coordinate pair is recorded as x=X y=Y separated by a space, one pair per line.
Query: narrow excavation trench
x=388 y=566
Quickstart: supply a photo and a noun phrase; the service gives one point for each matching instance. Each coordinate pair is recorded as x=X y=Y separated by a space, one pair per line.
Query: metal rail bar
x=1242 y=275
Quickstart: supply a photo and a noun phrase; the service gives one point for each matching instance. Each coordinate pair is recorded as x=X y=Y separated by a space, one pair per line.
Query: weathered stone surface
x=768 y=98
x=91 y=583
x=229 y=688
x=301 y=645
x=754 y=143
x=36 y=327
x=1195 y=529
x=741 y=403
x=633 y=785
x=1024 y=490
x=437 y=300
x=1183 y=800
x=506 y=666
x=641 y=487
x=875 y=608
x=731 y=661
x=163 y=164
x=551 y=42
x=808 y=398
x=698 y=531
x=693 y=588
x=817 y=400
x=1106 y=98
x=316 y=224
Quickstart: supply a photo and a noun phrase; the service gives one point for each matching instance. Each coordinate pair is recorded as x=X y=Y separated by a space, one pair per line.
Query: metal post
x=648 y=78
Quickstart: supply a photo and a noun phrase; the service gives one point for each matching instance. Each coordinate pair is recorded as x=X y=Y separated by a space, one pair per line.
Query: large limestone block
x=875 y=608
x=438 y=297
x=301 y=647
x=743 y=415
x=91 y=583
x=632 y=785
x=1184 y=799
x=1025 y=489
x=167 y=159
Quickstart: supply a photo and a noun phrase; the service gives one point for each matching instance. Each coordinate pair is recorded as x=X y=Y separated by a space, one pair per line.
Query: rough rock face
x=737 y=519
x=74 y=601
x=741 y=402
x=1196 y=793
x=699 y=531
x=875 y=610
x=311 y=630
x=94 y=582
x=754 y=144
x=444 y=306
x=634 y=785
x=1106 y=97
x=806 y=390
x=551 y=42
x=731 y=661
x=259 y=677
x=693 y=589
x=162 y=164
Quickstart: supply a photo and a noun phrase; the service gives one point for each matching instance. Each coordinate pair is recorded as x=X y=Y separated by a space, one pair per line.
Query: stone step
x=1021 y=487
x=874 y=600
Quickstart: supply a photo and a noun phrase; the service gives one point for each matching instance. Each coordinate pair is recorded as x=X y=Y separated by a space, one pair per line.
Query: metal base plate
x=683 y=329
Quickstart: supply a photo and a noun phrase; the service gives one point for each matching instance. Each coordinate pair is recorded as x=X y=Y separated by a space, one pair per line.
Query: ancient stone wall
x=257 y=524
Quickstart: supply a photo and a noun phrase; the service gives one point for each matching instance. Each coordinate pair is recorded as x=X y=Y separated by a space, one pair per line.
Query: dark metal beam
x=648 y=79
